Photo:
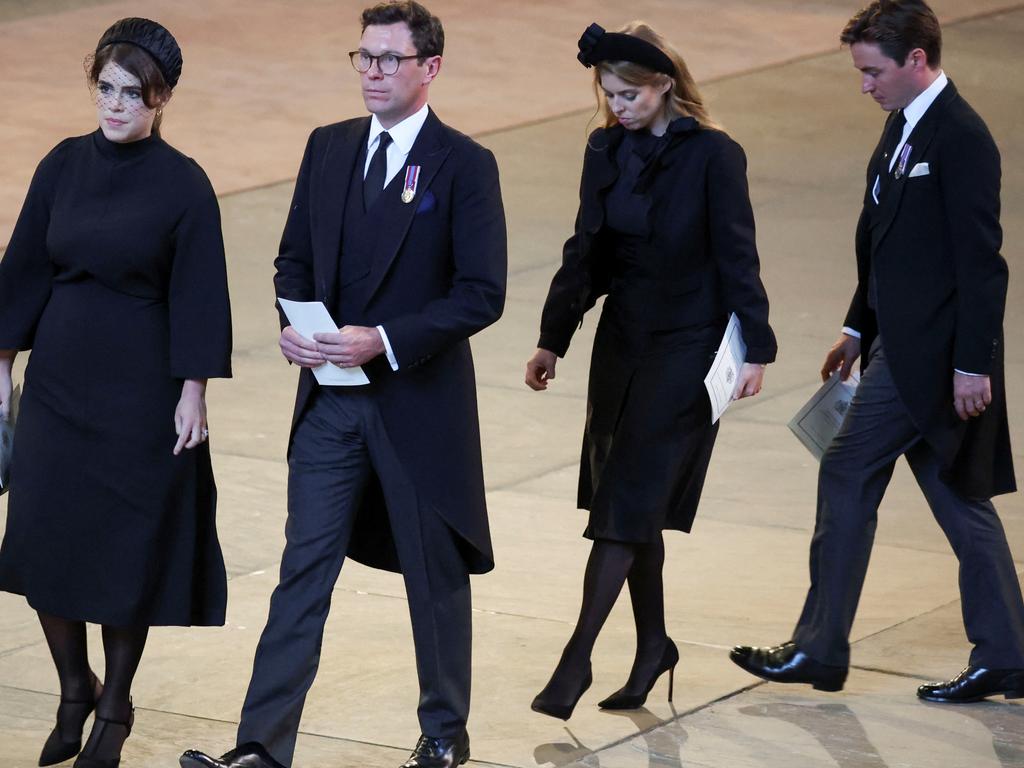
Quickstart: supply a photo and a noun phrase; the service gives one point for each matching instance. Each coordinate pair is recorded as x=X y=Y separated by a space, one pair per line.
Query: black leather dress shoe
x=439 y=753
x=248 y=755
x=788 y=664
x=975 y=684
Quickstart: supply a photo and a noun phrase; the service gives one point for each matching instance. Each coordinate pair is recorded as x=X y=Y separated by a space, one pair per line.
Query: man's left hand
x=351 y=346
x=971 y=394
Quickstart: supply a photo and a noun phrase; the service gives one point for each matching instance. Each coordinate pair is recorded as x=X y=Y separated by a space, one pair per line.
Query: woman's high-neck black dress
x=115 y=279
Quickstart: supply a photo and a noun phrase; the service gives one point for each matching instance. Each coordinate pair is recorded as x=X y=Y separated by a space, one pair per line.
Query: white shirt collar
x=403 y=134
x=915 y=110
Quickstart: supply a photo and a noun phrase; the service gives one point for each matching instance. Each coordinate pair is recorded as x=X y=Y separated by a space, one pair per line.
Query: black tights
x=611 y=565
x=122 y=651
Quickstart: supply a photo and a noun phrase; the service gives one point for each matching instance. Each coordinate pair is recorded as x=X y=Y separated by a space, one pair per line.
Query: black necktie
x=377 y=173
x=893 y=134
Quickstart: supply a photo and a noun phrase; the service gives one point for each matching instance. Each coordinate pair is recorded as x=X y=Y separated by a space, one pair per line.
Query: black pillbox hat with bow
x=596 y=46
x=150 y=37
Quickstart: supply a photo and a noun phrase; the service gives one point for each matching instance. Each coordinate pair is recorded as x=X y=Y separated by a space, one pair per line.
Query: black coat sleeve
x=26 y=273
x=731 y=222
x=574 y=288
x=479 y=256
x=293 y=278
x=562 y=310
x=200 y=309
x=969 y=178
x=859 y=316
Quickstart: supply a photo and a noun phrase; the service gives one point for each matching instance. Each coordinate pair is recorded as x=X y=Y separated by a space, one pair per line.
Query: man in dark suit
x=928 y=314
x=397 y=225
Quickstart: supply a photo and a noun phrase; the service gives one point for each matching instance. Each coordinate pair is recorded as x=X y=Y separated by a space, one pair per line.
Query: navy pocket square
x=427 y=203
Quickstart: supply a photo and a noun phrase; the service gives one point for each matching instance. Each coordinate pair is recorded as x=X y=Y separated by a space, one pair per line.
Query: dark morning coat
x=934 y=243
x=702 y=263
x=437 y=277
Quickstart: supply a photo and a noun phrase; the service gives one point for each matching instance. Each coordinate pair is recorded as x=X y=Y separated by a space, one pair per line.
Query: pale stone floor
x=259 y=75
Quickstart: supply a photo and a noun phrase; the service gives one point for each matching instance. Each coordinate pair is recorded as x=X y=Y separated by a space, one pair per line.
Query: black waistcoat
x=360 y=230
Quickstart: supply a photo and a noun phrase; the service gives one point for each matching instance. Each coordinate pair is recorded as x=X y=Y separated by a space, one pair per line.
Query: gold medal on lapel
x=412 y=178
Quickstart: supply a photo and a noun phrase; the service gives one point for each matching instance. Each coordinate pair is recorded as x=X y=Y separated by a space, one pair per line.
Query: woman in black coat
x=115 y=279
x=665 y=230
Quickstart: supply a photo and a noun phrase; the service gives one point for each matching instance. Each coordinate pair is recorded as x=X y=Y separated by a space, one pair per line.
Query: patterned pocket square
x=921 y=169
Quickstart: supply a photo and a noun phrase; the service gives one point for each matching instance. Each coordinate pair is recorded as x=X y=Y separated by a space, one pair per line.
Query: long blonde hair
x=683 y=100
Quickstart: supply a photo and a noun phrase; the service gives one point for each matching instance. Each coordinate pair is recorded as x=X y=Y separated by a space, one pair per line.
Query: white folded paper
x=724 y=375
x=818 y=421
x=309 y=317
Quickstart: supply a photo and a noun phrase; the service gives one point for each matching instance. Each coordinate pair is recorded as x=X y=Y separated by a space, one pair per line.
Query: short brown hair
x=897 y=27
x=135 y=61
x=426 y=29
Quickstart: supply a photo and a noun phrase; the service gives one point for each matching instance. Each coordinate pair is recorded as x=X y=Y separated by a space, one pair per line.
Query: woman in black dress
x=114 y=277
x=666 y=230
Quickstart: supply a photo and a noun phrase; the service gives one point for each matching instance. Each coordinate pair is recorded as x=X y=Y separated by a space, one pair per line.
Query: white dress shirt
x=403 y=136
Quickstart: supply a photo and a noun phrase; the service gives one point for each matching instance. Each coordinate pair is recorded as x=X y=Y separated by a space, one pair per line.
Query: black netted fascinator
x=150 y=37
x=596 y=46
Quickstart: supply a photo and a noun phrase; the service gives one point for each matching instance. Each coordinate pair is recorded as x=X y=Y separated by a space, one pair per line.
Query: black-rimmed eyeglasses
x=387 y=63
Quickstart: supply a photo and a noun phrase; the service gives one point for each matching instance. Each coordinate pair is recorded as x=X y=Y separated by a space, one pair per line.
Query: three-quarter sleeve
x=26 y=271
x=200 y=310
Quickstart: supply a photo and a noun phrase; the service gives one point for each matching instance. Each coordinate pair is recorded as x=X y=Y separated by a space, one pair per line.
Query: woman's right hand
x=540 y=369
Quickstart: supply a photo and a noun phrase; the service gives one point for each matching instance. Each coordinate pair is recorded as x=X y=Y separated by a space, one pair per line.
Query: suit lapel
x=919 y=140
x=428 y=152
x=335 y=177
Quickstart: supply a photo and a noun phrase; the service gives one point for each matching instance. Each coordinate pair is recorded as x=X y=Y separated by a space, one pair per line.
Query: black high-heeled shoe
x=108 y=732
x=622 y=700
x=65 y=740
x=557 y=709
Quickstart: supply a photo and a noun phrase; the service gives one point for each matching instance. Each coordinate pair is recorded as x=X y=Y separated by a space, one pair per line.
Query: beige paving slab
x=366 y=686
x=727 y=583
x=932 y=646
x=761 y=477
x=874 y=723
x=18 y=626
x=26 y=718
x=251 y=91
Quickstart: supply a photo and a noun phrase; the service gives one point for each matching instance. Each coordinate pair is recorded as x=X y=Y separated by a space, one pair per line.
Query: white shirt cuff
x=850 y=332
x=387 y=348
x=965 y=373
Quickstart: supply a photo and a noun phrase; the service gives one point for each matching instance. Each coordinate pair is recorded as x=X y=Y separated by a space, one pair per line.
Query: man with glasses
x=397 y=225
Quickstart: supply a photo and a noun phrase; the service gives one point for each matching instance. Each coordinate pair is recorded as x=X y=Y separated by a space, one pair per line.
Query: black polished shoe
x=65 y=740
x=562 y=710
x=249 y=755
x=975 y=684
x=433 y=752
x=788 y=664
x=623 y=700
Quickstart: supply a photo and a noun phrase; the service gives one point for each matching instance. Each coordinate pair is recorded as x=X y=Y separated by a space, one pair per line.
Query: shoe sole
x=828 y=687
x=818 y=685
x=1011 y=694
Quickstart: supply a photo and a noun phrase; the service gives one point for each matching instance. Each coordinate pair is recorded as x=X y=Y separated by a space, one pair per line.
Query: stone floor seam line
x=890 y=673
